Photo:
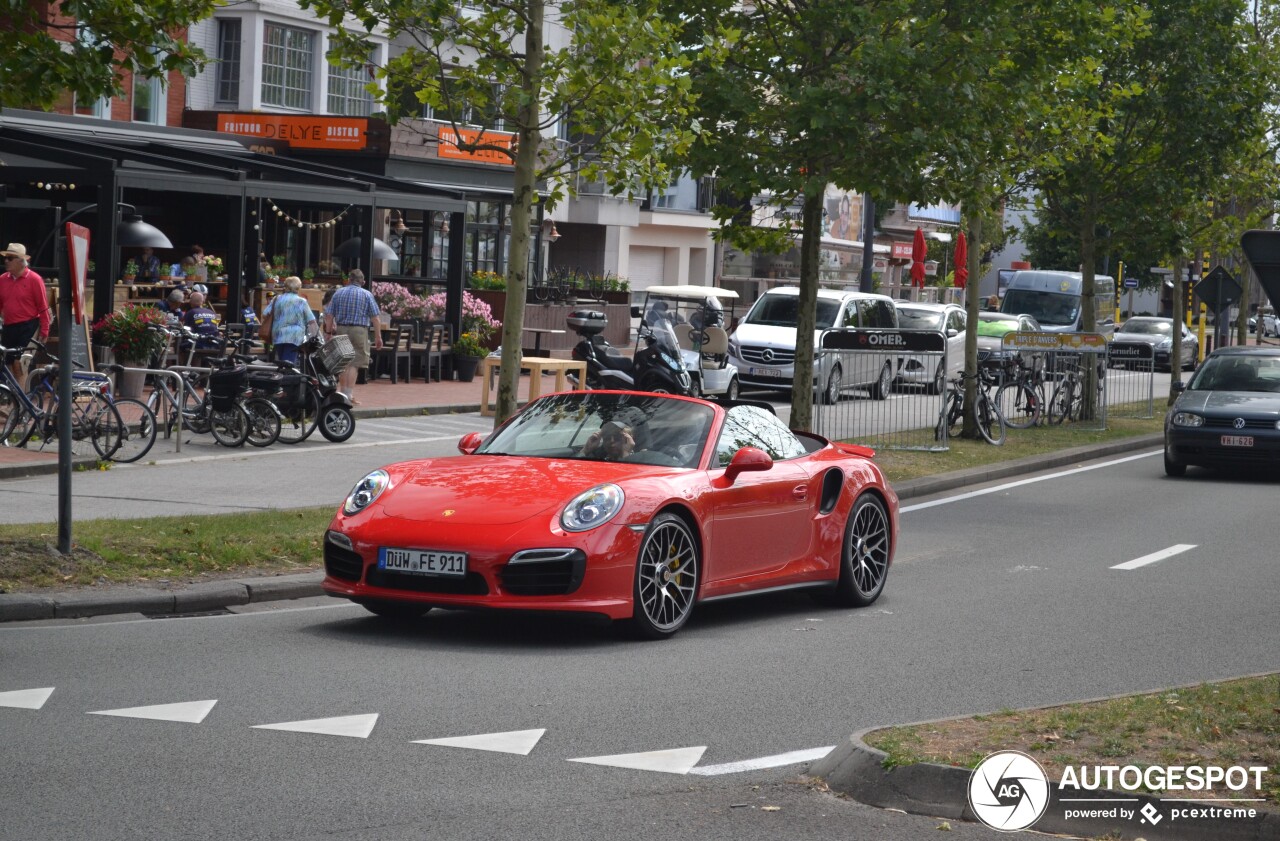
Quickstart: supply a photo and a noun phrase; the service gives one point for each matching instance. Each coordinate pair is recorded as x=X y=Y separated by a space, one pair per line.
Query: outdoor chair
x=395 y=349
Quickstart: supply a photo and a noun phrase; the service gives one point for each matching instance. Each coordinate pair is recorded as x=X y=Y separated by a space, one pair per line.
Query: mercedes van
x=1054 y=299
x=763 y=347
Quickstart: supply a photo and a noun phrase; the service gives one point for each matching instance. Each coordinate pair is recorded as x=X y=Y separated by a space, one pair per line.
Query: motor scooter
x=656 y=367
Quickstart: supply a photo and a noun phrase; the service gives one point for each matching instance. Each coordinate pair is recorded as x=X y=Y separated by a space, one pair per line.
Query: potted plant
x=213 y=266
x=309 y=276
x=130 y=270
x=130 y=333
x=467 y=353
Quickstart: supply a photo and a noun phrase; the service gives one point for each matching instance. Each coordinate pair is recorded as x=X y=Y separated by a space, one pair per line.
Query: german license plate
x=1237 y=440
x=423 y=561
x=765 y=372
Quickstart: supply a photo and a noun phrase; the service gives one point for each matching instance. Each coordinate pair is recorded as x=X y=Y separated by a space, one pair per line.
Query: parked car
x=992 y=327
x=633 y=505
x=948 y=319
x=1228 y=415
x=1158 y=332
x=763 y=347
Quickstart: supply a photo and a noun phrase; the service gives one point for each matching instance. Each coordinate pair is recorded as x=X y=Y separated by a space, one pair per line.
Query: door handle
x=800 y=491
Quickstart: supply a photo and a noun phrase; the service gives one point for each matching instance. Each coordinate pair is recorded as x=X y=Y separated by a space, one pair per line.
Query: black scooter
x=656 y=367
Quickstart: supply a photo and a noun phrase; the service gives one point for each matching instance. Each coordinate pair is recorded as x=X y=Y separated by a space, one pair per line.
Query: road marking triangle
x=26 y=699
x=519 y=742
x=674 y=761
x=192 y=712
x=356 y=726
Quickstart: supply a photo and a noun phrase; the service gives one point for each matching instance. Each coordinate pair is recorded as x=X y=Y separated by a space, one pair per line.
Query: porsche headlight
x=1165 y=344
x=592 y=508
x=1187 y=419
x=365 y=492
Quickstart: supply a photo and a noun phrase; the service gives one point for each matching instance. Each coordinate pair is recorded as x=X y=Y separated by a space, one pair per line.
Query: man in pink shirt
x=24 y=305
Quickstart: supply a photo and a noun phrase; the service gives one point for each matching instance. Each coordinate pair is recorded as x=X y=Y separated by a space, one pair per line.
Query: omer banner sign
x=922 y=341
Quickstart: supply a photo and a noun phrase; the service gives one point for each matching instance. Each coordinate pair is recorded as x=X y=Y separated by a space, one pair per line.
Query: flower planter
x=466 y=367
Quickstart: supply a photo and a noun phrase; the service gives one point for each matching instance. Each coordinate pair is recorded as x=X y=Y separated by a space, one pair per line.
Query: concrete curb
x=212 y=595
x=856 y=769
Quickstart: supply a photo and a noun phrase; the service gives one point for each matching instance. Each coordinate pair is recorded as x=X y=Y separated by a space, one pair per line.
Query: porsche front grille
x=342 y=563
x=473 y=584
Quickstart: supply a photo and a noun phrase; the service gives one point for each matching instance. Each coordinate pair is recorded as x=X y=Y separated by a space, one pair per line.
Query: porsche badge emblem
x=448 y=512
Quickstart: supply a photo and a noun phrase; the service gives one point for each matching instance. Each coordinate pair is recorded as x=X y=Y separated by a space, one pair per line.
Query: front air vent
x=544 y=572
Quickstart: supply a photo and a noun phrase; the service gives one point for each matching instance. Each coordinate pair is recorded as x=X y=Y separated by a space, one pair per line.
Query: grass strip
x=1234 y=722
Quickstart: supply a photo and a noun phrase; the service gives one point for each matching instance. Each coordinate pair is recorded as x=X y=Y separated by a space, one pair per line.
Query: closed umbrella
x=918 y=252
x=962 y=261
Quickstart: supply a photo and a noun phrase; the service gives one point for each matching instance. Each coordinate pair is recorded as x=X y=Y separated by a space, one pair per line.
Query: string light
x=291 y=221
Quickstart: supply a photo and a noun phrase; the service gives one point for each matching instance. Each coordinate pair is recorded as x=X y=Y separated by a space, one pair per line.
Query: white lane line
x=776 y=761
x=1155 y=556
x=971 y=494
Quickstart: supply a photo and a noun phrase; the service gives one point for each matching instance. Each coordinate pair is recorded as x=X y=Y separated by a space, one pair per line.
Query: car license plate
x=765 y=372
x=1237 y=440
x=423 y=561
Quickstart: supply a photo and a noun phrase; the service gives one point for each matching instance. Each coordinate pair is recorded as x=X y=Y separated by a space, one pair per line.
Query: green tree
x=1140 y=140
x=84 y=46
x=617 y=78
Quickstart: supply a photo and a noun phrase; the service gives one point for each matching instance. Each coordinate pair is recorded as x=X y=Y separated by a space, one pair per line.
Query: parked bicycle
x=990 y=422
x=138 y=424
x=1021 y=399
x=1068 y=400
x=95 y=424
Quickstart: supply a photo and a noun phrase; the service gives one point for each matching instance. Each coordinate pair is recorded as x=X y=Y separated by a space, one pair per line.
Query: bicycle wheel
x=264 y=421
x=990 y=421
x=16 y=423
x=952 y=416
x=164 y=412
x=1062 y=404
x=195 y=415
x=1019 y=404
x=95 y=426
x=230 y=428
x=139 y=430
x=300 y=421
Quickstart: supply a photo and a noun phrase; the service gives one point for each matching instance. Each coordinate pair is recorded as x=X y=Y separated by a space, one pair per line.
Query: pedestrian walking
x=291 y=320
x=24 y=306
x=352 y=312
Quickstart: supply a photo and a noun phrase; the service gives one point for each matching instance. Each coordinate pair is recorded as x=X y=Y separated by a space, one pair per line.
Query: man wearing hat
x=24 y=305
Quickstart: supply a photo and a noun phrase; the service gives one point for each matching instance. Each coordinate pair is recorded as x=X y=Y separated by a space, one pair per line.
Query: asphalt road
x=1004 y=598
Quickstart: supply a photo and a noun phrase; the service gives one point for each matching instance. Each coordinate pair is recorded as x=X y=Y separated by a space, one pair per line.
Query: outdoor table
x=536 y=366
x=538 y=333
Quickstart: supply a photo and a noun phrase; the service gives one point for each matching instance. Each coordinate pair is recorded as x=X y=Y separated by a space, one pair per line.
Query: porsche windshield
x=606 y=427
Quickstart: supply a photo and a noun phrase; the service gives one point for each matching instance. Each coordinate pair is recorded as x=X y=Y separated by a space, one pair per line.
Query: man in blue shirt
x=351 y=313
x=202 y=320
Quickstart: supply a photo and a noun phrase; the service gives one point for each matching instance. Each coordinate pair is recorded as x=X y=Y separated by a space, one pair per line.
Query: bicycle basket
x=225 y=385
x=336 y=354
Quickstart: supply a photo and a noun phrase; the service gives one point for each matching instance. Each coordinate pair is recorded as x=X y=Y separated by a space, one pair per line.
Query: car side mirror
x=952 y=332
x=747 y=460
x=636 y=311
x=470 y=443
x=1178 y=387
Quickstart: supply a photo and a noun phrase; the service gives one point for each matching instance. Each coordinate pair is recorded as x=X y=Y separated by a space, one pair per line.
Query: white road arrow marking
x=26 y=699
x=356 y=726
x=795 y=757
x=674 y=761
x=519 y=742
x=192 y=712
x=1155 y=556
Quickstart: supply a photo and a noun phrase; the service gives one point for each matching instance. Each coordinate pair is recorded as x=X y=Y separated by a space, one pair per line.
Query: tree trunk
x=1179 y=315
x=523 y=199
x=806 y=320
x=972 y=304
x=1088 y=316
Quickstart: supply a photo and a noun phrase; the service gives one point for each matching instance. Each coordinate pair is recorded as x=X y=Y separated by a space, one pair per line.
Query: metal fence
x=1131 y=378
x=888 y=394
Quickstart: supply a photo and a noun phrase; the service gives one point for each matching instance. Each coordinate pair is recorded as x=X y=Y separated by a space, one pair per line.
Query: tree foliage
x=616 y=77
x=83 y=47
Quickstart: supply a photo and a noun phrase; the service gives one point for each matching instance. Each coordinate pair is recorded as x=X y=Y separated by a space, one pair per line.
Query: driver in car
x=612 y=442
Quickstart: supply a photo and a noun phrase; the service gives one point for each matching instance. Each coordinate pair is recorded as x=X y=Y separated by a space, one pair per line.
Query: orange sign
x=300 y=132
x=450 y=138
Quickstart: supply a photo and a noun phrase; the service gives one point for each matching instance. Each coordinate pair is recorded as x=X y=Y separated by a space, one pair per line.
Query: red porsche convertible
x=632 y=505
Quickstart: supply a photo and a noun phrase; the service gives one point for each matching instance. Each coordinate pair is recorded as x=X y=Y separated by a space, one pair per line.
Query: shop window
x=465 y=113
x=288 y=56
x=347 y=92
x=148 y=100
x=229 y=61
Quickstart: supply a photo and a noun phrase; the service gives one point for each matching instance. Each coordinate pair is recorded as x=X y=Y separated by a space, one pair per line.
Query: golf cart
x=697 y=315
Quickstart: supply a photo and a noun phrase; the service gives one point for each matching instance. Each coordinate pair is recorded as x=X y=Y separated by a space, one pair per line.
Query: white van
x=1053 y=299
x=763 y=347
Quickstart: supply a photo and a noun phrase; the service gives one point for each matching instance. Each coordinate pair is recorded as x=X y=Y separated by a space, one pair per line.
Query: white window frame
x=158 y=90
x=296 y=87
x=347 y=95
x=229 y=66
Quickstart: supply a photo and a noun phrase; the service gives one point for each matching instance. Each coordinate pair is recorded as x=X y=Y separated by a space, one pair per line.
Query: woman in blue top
x=291 y=320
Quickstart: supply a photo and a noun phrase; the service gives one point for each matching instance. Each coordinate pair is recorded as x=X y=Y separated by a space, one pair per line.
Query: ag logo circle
x=1008 y=791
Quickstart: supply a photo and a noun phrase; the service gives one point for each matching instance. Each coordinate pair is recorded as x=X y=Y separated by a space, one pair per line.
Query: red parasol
x=962 y=261
x=918 y=252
